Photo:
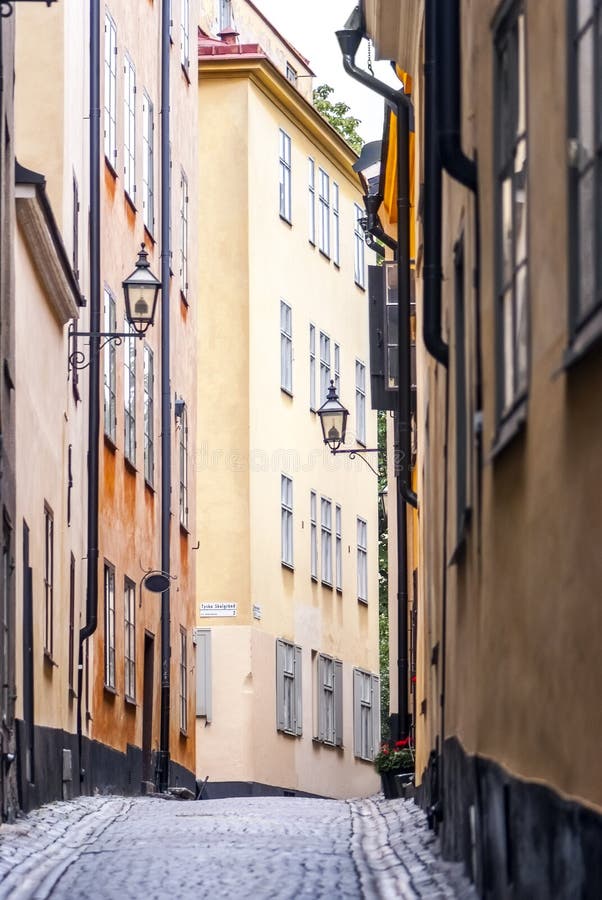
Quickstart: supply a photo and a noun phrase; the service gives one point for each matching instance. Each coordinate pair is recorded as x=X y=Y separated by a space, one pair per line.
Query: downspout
x=94 y=368
x=163 y=756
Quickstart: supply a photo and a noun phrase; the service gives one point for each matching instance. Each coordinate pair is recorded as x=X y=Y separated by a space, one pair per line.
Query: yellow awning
x=390 y=163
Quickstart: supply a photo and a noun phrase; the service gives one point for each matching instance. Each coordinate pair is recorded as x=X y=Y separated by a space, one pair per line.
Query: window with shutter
x=289 y=687
x=202 y=637
x=338 y=703
x=366 y=714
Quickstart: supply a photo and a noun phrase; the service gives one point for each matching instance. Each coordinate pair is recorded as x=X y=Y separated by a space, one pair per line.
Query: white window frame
x=286 y=347
x=366 y=714
x=291 y=74
x=313 y=516
x=225 y=15
x=48 y=581
x=311 y=187
x=289 y=688
x=338 y=516
x=286 y=520
x=129 y=128
x=110 y=101
x=330 y=700
x=148 y=163
x=129 y=652
x=203 y=671
x=183 y=681
x=285 y=170
x=129 y=394
x=183 y=234
x=185 y=34
x=337 y=368
x=362 y=560
x=324 y=366
x=312 y=367
x=360 y=402
x=110 y=372
x=336 y=226
x=359 y=248
x=183 y=445
x=326 y=540
x=149 y=415
x=109 y=611
x=324 y=212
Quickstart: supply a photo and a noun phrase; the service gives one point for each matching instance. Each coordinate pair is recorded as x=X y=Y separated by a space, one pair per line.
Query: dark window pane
x=586 y=198
x=585 y=110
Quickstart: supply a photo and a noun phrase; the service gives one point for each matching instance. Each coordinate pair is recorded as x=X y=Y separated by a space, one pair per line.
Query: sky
x=310 y=27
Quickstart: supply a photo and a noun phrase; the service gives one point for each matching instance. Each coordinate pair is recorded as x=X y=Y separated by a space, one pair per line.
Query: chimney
x=228 y=36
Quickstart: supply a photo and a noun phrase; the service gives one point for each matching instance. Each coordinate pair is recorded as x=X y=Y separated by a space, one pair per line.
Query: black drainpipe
x=349 y=39
x=94 y=368
x=163 y=756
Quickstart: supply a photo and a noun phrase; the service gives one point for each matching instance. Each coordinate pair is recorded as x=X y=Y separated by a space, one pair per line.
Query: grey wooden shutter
x=298 y=692
x=203 y=674
x=321 y=704
x=338 y=703
x=280 y=651
x=375 y=698
x=357 y=712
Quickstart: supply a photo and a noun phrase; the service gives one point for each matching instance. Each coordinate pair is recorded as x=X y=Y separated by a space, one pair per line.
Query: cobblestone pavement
x=260 y=848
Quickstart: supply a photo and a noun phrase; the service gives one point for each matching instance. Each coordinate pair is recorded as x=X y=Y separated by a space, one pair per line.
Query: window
x=330 y=701
x=338 y=550
x=362 y=560
x=312 y=200
x=183 y=681
x=202 y=638
x=149 y=415
x=225 y=14
x=324 y=366
x=360 y=402
x=585 y=181
x=129 y=128
x=286 y=348
x=326 y=523
x=291 y=74
x=312 y=367
x=110 y=373
x=185 y=34
x=366 y=714
x=460 y=391
x=289 y=710
x=109 y=598
x=129 y=597
x=48 y=580
x=358 y=247
x=285 y=176
x=337 y=369
x=71 y=623
x=184 y=234
x=324 y=219
x=75 y=255
x=286 y=502
x=7 y=699
x=129 y=394
x=313 y=514
x=110 y=124
x=184 y=467
x=336 y=253
x=511 y=212
x=148 y=163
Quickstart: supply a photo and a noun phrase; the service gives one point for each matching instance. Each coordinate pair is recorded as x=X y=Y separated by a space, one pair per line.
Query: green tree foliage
x=338 y=116
x=383 y=582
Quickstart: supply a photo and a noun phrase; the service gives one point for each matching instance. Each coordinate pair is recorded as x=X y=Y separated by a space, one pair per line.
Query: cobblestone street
x=103 y=847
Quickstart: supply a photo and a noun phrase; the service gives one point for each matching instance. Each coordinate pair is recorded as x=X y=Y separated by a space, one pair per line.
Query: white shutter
x=298 y=692
x=357 y=712
x=321 y=704
x=375 y=698
x=280 y=656
x=203 y=673
x=338 y=703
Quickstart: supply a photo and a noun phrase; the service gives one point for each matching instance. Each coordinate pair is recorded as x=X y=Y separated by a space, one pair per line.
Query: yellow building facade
x=287 y=584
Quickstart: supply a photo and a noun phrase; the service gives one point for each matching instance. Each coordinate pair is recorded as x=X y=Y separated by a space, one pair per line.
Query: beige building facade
x=509 y=444
x=287 y=584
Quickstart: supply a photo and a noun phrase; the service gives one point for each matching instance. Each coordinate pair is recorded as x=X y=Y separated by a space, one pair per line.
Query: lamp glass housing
x=141 y=290
x=333 y=418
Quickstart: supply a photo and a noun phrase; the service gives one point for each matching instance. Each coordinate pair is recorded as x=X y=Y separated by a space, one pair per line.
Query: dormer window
x=225 y=14
x=291 y=74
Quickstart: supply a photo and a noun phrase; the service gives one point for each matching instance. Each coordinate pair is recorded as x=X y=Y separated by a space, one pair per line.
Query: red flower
x=403 y=743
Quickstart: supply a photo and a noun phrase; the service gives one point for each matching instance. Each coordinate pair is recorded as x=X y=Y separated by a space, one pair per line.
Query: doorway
x=147 y=707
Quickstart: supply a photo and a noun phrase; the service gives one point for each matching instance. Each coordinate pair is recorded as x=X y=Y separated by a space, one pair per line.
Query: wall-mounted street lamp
x=333 y=419
x=369 y=169
x=6 y=6
x=140 y=290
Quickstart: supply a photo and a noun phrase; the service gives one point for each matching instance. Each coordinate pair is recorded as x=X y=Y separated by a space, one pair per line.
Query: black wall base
x=223 y=790
x=105 y=770
x=516 y=838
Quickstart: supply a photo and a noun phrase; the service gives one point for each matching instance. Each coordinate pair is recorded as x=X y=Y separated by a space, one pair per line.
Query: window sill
x=339 y=591
x=183 y=734
x=72 y=694
x=148 y=234
x=509 y=429
x=586 y=339
x=286 y=391
x=111 y=168
x=327 y=584
x=184 y=298
x=110 y=690
x=285 y=220
x=328 y=744
x=311 y=243
x=186 y=71
x=184 y=530
x=148 y=485
x=360 y=287
x=337 y=266
x=130 y=466
x=49 y=660
x=130 y=701
x=362 y=601
x=130 y=202
x=459 y=551
x=314 y=578
x=288 y=566
x=291 y=734
x=110 y=443
x=325 y=255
